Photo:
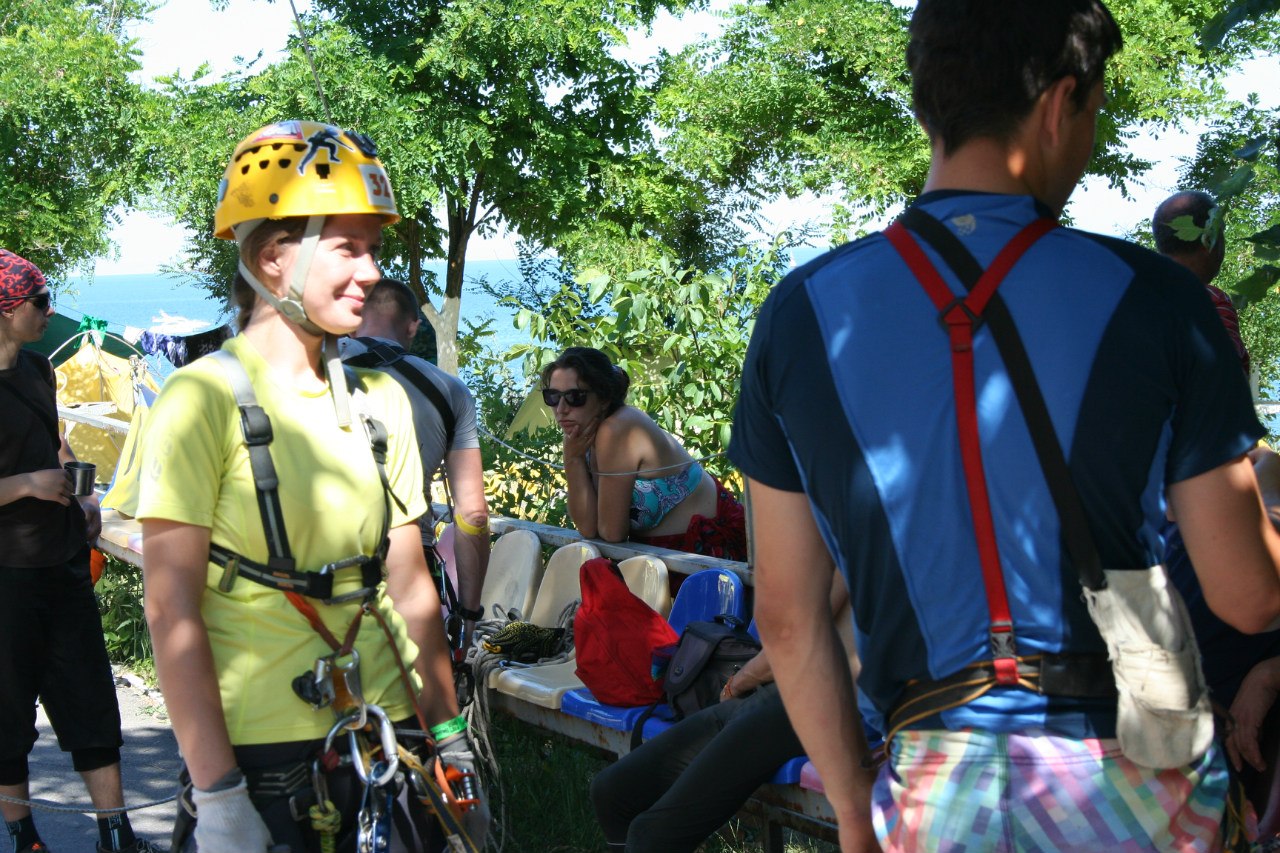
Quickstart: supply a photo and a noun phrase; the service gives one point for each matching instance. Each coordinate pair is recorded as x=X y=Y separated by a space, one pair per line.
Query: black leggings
x=674 y=791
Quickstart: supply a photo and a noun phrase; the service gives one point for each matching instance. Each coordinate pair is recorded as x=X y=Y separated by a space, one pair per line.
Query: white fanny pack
x=1163 y=719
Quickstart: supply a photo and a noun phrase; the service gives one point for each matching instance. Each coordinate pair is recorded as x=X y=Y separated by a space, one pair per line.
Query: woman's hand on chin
x=579 y=438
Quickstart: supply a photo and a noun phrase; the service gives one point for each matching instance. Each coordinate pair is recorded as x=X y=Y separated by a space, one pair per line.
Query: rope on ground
x=556 y=466
x=51 y=807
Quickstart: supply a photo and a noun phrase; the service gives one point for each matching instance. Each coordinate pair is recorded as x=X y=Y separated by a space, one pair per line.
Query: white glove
x=227 y=822
x=456 y=751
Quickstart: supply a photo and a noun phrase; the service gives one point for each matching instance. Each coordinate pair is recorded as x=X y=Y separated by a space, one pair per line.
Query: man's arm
x=793 y=581
x=471 y=529
x=1231 y=541
x=414 y=597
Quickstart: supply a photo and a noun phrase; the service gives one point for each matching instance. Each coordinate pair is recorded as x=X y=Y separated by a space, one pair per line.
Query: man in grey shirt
x=444 y=417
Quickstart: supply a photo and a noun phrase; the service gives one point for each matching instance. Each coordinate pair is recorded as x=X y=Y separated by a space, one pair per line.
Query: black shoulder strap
x=1075 y=526
x=380 y=354
x=255 y=427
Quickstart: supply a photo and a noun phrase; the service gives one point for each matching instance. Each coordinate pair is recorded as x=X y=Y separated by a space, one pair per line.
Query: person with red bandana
x=51 y=645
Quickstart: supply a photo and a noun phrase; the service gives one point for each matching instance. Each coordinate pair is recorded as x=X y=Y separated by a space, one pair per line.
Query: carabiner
x=350 y=671
x=387 y=735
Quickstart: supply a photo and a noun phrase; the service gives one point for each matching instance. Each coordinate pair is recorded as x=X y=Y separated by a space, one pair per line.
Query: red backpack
x=616 y=634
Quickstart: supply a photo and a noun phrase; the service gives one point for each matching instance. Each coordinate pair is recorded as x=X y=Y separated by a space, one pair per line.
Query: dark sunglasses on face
x=41 y=301
x=575 y=397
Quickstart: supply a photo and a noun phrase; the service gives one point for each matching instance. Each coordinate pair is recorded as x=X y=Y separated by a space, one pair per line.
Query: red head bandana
x=19 y=278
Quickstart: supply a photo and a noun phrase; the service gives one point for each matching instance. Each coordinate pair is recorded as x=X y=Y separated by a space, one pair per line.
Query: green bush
x=123 y=623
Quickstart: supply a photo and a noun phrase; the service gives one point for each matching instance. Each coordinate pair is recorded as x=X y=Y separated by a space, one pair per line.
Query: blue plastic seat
x=705 y=595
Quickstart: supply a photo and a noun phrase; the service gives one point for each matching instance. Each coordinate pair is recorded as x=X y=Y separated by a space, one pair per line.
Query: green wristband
x=449 y=727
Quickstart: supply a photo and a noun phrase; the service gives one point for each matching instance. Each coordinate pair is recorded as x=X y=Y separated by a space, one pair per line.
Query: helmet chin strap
x=291 y=308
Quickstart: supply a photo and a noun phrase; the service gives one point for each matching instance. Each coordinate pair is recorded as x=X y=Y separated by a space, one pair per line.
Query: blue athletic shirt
x=847 y=396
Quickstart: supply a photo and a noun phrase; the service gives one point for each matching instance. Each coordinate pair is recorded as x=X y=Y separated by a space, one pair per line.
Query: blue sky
x=184 y=33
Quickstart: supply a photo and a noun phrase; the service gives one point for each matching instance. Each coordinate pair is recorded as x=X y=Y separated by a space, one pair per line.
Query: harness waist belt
x=1063 y=675
x=317 y=585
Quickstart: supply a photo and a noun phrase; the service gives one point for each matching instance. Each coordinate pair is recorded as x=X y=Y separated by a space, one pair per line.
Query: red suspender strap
x=962 y=315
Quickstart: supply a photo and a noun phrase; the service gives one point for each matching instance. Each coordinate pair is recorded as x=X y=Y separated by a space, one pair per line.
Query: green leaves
x=69 y=123
x=680 y=333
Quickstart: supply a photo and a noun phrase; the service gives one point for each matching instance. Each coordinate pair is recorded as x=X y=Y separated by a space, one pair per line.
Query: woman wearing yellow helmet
x=277 y=493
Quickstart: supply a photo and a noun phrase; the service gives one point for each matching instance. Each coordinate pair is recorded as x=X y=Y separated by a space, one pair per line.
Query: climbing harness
x=1065 y=675
x=378 y=760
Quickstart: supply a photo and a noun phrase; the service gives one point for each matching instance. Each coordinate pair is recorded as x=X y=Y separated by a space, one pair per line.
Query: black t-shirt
x=34 y=532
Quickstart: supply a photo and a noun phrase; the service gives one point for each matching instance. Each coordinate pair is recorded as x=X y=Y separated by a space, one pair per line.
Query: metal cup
x=82 y=475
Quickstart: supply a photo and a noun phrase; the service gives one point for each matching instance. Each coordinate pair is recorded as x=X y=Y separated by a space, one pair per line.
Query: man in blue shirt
x=847 y=430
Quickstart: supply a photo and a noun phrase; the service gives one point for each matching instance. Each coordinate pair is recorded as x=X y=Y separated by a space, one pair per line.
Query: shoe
x=140 y=845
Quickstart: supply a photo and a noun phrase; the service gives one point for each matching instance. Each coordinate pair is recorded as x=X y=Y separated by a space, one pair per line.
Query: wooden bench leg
x=773 y=841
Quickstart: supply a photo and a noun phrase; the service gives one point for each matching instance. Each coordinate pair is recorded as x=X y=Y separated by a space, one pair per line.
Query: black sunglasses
x=42 y=301
x=575 y=397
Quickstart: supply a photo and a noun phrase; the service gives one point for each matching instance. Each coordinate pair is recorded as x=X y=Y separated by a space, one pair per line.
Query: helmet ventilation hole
x=322 y=170
x=284 y=162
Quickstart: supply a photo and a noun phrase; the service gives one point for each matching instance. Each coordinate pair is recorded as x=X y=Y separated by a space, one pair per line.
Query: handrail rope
x=306 y=51
x=560 y=467
x=37 y=804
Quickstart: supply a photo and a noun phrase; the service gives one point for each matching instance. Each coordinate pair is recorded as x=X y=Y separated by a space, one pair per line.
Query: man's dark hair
x=399 y=294
x=1193 y=203
x=978 y=66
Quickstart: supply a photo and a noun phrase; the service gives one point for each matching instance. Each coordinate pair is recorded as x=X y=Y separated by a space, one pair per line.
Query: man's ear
x=1056 y=105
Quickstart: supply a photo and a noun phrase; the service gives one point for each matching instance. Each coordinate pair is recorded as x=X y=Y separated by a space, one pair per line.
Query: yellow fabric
x=94 y=375
x=123 y=494
x=195 y=470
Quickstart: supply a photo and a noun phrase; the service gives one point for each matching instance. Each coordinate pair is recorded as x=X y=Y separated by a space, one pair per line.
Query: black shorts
x=51 y=647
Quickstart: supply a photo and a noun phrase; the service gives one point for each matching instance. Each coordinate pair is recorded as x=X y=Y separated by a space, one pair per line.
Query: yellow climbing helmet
x=302 y=168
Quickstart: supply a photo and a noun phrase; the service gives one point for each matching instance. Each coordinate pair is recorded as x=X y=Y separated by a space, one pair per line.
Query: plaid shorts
x=998 y=793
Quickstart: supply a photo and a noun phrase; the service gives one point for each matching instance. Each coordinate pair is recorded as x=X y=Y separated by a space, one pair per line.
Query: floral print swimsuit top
x=651 y=500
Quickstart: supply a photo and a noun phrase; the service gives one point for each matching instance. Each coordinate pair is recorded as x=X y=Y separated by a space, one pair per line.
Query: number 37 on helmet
x=302 y=168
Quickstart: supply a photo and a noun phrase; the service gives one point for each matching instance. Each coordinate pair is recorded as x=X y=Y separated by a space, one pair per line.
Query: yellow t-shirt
x=195 y=470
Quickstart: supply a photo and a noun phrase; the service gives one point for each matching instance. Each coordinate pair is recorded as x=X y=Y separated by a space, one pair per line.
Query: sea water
x=176 y=305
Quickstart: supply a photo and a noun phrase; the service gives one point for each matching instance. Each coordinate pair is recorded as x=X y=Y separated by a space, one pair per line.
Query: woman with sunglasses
x=627 y=477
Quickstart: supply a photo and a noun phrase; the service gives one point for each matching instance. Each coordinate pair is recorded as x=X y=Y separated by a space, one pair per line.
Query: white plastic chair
x=515 y=571
x=545 y=685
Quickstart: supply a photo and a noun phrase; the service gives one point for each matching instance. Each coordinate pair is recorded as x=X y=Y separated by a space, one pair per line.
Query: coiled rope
x=483 y=664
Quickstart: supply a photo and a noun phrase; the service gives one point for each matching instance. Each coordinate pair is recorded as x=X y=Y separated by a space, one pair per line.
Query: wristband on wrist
x=470 y=529
x=231 y=779
x=474 y=615
x=449 y=727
